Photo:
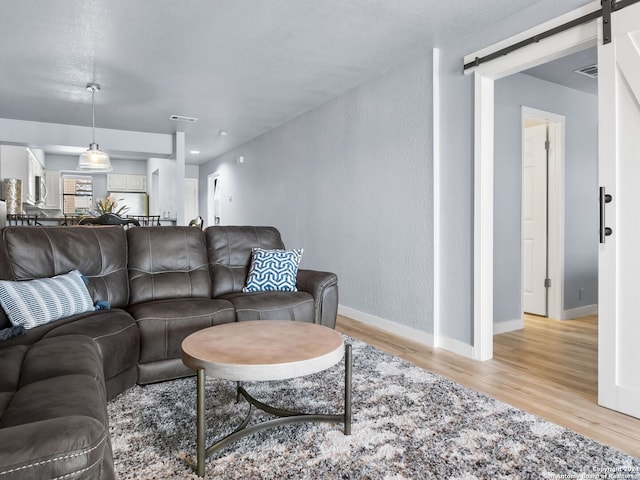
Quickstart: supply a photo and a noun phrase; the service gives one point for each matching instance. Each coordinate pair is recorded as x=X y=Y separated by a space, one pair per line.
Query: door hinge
x=547 y=145
x=547 y=283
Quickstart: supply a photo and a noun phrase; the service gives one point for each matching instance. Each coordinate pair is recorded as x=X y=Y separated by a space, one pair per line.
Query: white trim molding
x=580 y=312
x=409 y=333
x=436 y=192
x=483 y=219
x=508 y=326
x=403 y=331
x=455 y=346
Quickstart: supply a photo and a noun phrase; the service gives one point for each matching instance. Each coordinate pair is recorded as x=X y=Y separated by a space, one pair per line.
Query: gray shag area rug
x=407 y=423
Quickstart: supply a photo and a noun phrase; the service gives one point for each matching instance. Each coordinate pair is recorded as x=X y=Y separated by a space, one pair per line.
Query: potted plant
x=110 y=205
x=107 y=212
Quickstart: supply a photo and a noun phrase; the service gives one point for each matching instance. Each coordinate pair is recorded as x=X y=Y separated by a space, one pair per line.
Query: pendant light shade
x=94 y=159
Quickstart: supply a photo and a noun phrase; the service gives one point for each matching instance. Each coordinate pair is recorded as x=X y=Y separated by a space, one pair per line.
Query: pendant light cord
x=93 y=116
x=94 y=159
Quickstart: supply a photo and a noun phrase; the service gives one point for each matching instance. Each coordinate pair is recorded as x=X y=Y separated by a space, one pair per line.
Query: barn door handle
x=604 y=230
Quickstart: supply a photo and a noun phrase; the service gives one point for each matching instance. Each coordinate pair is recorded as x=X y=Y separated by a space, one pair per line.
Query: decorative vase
x=13 y=195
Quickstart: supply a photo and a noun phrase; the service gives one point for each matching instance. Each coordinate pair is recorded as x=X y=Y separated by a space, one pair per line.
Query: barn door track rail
x=608 y=7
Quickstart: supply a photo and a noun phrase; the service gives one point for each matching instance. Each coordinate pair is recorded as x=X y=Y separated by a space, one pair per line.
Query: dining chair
x=22 y=219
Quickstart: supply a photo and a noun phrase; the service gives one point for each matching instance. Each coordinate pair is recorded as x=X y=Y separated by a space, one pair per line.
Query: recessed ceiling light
x=194 y=152
x=223 y=133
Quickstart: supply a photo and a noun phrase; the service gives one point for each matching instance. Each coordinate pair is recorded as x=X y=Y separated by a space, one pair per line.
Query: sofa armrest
x=72 y=446
x=323 y=286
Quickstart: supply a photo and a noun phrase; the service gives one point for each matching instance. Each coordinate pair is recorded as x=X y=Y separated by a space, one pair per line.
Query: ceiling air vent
x=590 y=71
x=182 y=118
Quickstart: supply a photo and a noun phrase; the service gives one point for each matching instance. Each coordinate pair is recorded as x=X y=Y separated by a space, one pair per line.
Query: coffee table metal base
x=285 y=416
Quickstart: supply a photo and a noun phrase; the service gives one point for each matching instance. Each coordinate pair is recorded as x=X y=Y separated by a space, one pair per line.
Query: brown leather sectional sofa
x=162 y=283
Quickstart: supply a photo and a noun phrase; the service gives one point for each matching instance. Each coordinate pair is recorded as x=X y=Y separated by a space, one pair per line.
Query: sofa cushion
x=36 y=302
x=167 y=263
x=273 y=270
x=229 y=252
x=115 y=334
x=59 y=357
x=99 y=253
x=54 y=397
x=11 y=361
x=164 y=324
x=297 y=306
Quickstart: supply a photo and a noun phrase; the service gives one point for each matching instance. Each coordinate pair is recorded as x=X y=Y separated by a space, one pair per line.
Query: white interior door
x=619 y=103
x=534 y=218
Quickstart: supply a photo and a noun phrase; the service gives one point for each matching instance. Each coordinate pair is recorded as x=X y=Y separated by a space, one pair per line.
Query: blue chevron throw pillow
x=273 y=270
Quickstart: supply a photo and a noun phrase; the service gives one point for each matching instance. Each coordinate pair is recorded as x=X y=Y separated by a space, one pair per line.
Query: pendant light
x=94 y=159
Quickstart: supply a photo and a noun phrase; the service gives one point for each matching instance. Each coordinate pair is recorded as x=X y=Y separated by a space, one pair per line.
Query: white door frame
x=211 y=200
x=555 y=195
x=552 y=48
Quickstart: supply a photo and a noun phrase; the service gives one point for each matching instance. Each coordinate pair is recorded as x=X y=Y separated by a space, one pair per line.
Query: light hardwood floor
x=548 y=369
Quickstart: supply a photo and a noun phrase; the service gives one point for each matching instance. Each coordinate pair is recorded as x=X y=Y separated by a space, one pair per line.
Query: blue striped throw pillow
x=36 y=302
x=273 y=270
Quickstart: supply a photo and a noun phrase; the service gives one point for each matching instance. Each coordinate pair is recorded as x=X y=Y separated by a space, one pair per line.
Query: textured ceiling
x=245 y=66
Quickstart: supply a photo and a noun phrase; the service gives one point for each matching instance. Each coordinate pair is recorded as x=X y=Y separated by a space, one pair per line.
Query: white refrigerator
x=136 y=203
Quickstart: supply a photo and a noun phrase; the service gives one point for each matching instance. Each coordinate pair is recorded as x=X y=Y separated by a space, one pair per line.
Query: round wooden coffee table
x=263 y=350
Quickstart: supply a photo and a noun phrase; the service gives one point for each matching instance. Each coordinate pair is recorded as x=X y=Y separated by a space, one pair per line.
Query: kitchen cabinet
x=13 y=162
x=52 y=184
x=25 y=164
x=118 y=182
x=34 y=175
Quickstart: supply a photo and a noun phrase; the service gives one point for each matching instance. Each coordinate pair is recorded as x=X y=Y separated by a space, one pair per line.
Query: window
x=77 y=194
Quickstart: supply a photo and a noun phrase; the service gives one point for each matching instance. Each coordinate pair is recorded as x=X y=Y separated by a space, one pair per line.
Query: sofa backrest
x=99 y=253
x=229 y=252
x=167 y=262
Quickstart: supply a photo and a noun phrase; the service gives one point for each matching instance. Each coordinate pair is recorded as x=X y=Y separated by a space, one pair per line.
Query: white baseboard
x=580 y=312
x=387 y=325
x=455 y=346
x=409 y=333
x=508 y=326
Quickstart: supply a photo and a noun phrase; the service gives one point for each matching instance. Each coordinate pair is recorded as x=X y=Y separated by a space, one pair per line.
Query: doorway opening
x=556 y=174
x=214 y=202
x=619 y=84
x=552 y=48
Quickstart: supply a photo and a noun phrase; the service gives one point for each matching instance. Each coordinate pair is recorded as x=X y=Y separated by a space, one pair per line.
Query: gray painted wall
x=351 y=183
x=581 y=183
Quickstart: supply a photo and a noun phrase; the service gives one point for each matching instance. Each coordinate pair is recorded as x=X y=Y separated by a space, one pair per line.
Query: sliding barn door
x=619 y=277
